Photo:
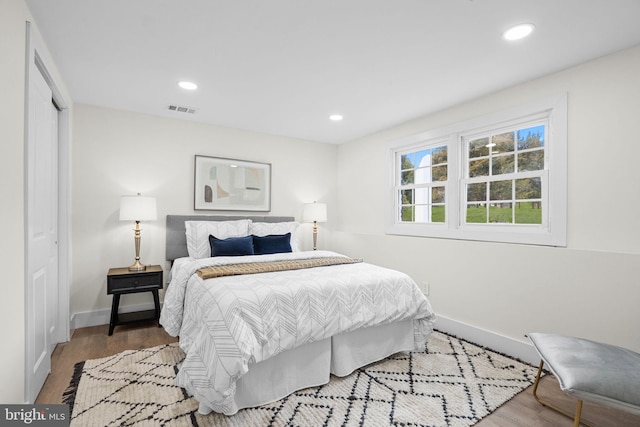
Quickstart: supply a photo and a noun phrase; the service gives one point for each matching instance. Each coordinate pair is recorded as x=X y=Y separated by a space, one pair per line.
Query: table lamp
x=315 y=212
x=137 y=208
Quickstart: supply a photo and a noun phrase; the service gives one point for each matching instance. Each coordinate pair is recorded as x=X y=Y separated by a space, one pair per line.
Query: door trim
x=36 y=53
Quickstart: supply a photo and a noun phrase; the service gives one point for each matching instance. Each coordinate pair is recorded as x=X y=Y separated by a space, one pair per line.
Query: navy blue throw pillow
x=273 y=244
x=233 y=246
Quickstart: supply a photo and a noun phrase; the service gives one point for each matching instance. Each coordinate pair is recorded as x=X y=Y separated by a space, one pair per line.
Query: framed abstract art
x=231 y=185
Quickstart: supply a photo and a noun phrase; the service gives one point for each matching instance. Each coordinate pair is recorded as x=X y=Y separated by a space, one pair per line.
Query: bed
x=252 y=339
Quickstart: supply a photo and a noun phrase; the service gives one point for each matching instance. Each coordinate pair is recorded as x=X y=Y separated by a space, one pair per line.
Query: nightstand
x=123 y=281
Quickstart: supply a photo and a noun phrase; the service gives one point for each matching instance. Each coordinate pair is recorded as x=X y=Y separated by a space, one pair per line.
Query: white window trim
x=556 y=161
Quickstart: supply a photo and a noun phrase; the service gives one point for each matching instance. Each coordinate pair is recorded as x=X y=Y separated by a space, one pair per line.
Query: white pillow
x=198 y=234
x=277 y=228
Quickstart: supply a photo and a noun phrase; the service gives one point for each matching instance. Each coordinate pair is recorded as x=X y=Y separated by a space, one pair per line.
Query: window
x=496 y=178
x=422 y=189
x=504 y=175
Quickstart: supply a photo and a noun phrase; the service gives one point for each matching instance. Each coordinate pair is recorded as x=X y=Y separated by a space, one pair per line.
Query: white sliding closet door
x=42 y=233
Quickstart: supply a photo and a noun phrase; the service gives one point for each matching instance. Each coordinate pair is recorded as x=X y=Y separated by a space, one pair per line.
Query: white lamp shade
x=138 y=208
x=314 y=212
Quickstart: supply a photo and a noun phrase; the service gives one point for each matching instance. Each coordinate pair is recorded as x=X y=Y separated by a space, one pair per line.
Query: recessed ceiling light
x=335 y=117
x=188 y=85
x=518 y=32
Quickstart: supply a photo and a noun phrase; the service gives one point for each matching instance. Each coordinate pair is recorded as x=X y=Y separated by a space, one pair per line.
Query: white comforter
x=227 y=323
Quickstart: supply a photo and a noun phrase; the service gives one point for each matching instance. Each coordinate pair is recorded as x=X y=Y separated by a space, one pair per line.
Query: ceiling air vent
x=183 y=109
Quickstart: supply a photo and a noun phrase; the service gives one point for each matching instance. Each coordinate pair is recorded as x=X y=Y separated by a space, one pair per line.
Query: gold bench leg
x=576 y=417
x=576 y=422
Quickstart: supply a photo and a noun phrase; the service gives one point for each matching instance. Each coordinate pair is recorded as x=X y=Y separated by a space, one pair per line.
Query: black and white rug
x=451 y=383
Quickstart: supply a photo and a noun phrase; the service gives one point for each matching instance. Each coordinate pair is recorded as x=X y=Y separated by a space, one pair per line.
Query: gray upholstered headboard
x=177 y=240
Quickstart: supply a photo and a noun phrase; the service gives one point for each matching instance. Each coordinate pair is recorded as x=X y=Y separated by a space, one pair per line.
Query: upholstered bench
x=589 y=371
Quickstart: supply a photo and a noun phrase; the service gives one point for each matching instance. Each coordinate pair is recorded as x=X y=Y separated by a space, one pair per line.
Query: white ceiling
x=283 y=66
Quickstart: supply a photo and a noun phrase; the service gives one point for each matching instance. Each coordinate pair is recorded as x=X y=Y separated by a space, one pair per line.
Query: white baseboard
x=500 y=343
x=101 y=317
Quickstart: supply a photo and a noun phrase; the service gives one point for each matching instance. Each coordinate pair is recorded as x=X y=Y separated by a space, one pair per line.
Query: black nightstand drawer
x=135 y=282
x=120 y=280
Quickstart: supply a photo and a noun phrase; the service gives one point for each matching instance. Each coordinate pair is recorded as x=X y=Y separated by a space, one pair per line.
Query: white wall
x=118 y=153
x=591 y=288
x=12 y=80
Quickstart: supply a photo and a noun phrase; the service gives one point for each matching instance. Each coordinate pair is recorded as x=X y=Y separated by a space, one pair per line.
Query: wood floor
x=523 y=410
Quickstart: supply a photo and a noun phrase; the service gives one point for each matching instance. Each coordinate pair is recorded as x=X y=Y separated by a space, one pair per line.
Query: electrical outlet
x=424 y=287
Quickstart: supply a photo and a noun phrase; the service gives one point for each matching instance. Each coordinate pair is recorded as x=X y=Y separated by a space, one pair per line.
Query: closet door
x=41 y=234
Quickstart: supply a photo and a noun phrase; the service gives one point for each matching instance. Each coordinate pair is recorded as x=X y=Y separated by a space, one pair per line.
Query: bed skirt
x=310 y=365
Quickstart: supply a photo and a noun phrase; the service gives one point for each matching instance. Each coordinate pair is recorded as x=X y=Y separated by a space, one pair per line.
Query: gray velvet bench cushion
x=592 y=371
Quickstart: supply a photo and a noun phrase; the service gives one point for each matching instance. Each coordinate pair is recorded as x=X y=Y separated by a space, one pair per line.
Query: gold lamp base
x=137 y=266
x=315 y=235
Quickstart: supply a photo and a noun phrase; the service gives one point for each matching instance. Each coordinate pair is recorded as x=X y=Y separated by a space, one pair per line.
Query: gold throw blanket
x=267 y=267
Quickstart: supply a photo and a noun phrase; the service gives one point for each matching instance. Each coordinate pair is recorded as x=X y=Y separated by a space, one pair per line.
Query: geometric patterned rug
x=451 y=383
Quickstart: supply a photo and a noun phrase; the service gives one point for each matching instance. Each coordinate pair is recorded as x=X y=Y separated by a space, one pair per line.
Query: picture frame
x=222 y=184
